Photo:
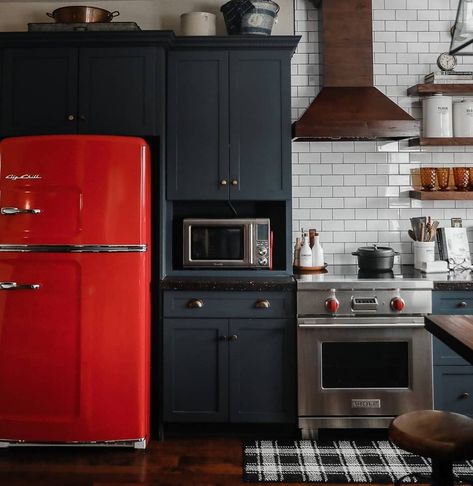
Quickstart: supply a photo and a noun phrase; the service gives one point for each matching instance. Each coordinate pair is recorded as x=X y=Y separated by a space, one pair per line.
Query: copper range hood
x=349 y=107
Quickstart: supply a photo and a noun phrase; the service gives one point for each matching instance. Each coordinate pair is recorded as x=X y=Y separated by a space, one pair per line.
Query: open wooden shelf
x=432 y=88
x=442 y=195
x=440 y=141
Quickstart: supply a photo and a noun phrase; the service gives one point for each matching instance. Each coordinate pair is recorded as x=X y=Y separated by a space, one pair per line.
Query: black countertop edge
x=286 y=284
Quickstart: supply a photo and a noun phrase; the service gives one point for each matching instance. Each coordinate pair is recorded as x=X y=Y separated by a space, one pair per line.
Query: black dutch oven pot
x=375 y=258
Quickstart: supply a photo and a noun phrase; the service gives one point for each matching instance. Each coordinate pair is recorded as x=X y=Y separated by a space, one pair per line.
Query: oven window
x=217 y=242
x=365 y=365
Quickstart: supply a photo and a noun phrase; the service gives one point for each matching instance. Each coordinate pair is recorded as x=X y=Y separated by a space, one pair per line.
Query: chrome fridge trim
x=73 y=248
x=135 y=443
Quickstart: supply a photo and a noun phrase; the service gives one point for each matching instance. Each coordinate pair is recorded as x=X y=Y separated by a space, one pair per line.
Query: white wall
x=351 y=191
x=148 y=14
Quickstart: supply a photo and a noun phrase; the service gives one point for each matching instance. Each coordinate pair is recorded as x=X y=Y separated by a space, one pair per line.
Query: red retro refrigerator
x=74 y=290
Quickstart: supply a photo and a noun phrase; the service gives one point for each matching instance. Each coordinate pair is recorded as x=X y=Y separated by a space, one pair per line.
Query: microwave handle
x=251 y=244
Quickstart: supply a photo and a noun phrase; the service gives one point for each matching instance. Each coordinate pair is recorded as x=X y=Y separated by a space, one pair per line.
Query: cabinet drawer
x=452 y=303
x=228 y=304
x=453 y=389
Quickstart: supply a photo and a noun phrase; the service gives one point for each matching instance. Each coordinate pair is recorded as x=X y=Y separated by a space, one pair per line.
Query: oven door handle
x=361 y=326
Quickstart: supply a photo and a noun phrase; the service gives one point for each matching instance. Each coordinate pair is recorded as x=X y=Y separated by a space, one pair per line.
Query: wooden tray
x=310 y=269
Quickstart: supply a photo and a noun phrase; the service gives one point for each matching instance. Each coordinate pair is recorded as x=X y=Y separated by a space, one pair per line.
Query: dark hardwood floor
x=176 y=461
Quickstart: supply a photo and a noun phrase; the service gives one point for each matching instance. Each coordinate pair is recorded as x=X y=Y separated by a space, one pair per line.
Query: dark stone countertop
x=282 y=283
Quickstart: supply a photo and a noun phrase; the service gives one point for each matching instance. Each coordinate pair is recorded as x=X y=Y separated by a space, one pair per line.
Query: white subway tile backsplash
x=357 y=192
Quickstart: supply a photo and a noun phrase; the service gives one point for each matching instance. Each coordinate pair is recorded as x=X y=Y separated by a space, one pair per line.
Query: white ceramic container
x=198 y=23
x=463 y=118
x=424 y=252
x=438 y=120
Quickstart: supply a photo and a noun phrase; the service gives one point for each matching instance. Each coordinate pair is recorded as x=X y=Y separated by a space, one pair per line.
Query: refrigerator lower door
x=74 y=347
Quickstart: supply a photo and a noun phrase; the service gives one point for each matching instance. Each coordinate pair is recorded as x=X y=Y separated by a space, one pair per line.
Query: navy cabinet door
x=260 y=125
x=454 y=389
x=195 y=361
x=198 y=134
x=118 y=90
x=262 y=370
x=39 y=91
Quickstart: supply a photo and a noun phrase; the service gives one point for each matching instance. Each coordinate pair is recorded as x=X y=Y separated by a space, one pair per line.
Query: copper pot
x=80 y=14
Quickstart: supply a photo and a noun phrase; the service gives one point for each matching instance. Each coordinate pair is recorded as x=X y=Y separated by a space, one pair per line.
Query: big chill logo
x=14 y=177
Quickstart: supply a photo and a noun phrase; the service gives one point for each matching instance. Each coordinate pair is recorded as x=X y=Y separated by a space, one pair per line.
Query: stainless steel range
x=363 y=353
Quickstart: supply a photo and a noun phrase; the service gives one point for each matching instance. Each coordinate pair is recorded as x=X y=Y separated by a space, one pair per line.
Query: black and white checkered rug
x=340 y=461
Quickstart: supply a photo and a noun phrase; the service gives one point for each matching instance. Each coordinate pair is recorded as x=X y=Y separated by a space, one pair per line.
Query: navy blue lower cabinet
x=453 y=376
x=220 y=369
x=262 y=364
x=195 y=361
x=454 y=389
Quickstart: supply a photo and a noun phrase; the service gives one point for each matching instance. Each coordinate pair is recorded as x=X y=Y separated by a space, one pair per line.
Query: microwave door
x=211 y=245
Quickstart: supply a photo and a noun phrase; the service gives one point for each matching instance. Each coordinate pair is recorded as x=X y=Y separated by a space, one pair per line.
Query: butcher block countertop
x=455 y=331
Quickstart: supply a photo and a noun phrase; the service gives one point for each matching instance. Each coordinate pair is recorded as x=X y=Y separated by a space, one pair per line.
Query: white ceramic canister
x=438 y=120
x=463 y=118
x=198 y=23
x=424 y=251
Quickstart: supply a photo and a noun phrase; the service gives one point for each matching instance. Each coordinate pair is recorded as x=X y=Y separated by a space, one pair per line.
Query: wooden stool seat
x=445 y=437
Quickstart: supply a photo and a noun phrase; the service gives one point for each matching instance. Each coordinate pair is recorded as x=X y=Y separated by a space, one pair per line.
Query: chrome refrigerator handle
x=16 y=286
x=10 y=211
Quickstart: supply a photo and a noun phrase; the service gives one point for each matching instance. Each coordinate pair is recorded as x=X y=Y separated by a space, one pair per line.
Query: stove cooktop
x=351 y=276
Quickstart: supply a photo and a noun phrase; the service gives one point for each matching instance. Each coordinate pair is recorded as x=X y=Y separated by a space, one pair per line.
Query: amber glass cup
x=443 y=178
x=461 y=176
x=428 y=178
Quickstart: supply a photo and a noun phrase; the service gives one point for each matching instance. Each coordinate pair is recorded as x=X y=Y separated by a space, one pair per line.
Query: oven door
x=363 y=366
x=217 y=243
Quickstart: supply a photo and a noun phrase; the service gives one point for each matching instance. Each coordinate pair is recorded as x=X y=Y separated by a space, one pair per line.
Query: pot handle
x=49 y=14
x=354 y=253
x=113 y=14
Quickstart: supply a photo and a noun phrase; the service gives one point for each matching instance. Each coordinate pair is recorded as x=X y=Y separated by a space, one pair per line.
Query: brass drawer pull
x=195 y=304
x=234 y=182
x=262 y=304
x=463 y=304
x=223 y=182
x=464 y=396
x=233 y=338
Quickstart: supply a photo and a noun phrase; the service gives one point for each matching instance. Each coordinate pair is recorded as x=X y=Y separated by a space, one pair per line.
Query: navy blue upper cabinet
x=198 y=135
x=39 y=91
x=229 y=131
x=103 y=90
x=260 y=125
x=117 y=92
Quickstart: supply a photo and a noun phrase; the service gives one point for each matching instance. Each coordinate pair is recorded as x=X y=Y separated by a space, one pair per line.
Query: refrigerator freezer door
x=75 y=190
x=74 y=347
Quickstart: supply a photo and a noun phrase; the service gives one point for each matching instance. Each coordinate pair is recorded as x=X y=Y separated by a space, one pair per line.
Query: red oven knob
x=332 y=305
x=398 y=304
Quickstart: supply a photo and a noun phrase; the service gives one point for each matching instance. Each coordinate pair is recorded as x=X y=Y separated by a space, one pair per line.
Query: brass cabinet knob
x=234 y=182
x=233 y=338
x=223 y=338
x=464 y=396
x=223 y=182
x=463 y=304
x=195 y=304
x=262 y=304
x=71 y=117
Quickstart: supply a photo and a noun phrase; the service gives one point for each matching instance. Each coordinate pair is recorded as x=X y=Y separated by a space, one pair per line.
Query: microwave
x=226 y=243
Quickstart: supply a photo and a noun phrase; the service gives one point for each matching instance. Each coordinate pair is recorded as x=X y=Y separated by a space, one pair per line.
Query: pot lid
x=376 y=251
